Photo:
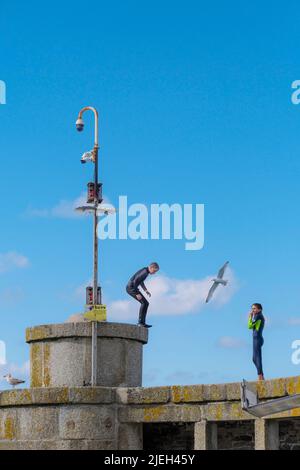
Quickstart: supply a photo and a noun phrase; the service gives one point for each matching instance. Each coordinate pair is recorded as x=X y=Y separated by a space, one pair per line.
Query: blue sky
x=195 y=107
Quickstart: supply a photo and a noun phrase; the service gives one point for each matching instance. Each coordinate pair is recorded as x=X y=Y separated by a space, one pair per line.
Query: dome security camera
x=79 y=124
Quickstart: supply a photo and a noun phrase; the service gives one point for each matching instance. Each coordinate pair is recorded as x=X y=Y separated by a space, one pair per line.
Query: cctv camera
x=79 y=124
x=87 y=157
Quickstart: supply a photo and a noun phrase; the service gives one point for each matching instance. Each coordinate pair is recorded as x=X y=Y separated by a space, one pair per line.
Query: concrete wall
x=215 y=413
x=60 y=410
x=65 y=418
x=178 y=418
x=60 y=355
x=57 y=412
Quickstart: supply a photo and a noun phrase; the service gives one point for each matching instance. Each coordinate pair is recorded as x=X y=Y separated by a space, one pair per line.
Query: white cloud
x=11 y=296
x=2 y=353
x=151 y=375
x=31 y=212
x=228 y=342
x=12 y=260
x=175 y=297
x=180 y=376
x=65 y=209
x=75 y=318
x=80 y=291
x=294 y=321
x=23 y=369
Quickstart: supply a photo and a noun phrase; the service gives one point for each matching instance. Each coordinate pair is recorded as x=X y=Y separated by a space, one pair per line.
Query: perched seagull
x=13 y=381
x=217 y=281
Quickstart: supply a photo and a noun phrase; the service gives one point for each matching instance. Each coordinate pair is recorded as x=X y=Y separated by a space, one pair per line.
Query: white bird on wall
x=217 y=281
x=12 y=381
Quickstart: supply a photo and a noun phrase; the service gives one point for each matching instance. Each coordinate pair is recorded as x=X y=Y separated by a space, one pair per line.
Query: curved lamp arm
x=90 y=108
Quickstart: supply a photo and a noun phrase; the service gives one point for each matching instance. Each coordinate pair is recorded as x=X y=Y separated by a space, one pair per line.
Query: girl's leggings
x=257 y=359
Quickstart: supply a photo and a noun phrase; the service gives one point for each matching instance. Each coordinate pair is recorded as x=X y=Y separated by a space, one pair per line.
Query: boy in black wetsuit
x=132 y=289
x=256 y=322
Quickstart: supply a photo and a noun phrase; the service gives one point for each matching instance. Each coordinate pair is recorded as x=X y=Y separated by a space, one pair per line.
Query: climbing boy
x=136 y=281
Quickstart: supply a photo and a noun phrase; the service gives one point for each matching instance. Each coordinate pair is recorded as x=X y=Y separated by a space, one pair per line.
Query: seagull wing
x=222 y=270
x=211 y=291
x=16 y=381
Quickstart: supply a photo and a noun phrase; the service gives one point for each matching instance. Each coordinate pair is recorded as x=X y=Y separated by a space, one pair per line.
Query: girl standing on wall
x=256 y=322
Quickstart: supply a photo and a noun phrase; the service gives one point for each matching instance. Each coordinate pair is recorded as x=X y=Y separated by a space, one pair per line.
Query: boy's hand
x=148 y=293
x=139 y=296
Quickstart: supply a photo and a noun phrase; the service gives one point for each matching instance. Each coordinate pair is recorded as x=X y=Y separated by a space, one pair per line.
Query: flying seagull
x=217 y=281
x=13 y=381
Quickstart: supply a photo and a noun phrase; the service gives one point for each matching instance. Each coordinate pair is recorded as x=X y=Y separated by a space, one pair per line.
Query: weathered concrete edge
x=274 y=388
x=83 y=329
x=150 y=413
x=57 y=395
x=59 y=444
x=215 y=412
x=160 y=404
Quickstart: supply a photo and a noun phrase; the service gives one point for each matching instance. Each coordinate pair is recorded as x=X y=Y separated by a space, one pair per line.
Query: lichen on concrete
x=187 y=393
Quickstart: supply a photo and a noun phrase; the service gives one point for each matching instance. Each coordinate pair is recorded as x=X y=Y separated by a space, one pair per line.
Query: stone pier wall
x=62 y=411
x=158 y=418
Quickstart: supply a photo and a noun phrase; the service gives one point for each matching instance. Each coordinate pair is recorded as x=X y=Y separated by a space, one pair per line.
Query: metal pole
x=94 y=354
x=95 y=290
x=95 y=250
x=95 y=282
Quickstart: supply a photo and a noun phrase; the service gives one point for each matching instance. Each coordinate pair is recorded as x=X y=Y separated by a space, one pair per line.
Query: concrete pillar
x=205 y=435
x=266 y=434
x=130 y=436
x=60 y=355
